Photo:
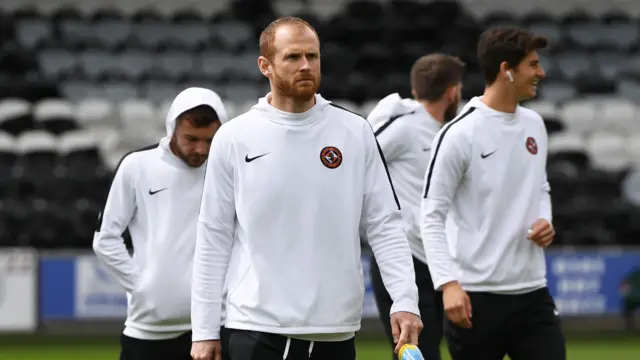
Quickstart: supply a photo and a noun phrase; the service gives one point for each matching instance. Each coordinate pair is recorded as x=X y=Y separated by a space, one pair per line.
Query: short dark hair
x=268 y=35
x=432 y=75
x=199 y=116
x=505 y=44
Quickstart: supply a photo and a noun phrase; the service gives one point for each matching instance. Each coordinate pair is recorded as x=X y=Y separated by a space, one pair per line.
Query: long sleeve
x=545 y=201
x=215 y=233
x=382 y=223
x=448 y=164
x=108 y=243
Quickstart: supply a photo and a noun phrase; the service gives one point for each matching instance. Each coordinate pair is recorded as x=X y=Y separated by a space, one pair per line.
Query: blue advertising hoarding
x=582 y=283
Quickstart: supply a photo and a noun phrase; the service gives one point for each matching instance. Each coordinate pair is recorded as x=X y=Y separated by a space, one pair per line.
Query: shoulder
x=530 y=114
x=131 y=160
x=462 y=124
x=348 y=118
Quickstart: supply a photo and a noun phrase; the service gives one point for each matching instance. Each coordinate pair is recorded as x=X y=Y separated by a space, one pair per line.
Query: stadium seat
x=55 y=116
x=579 y=116
x=618 y=115
x=632 y=145
x=567 y=151
x=38 y=170
x=8 y=158
x=607 y=151
x=15 y=116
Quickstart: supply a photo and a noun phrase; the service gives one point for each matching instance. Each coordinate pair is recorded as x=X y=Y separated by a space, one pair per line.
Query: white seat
x=36 y=141
x=7 y=143
x=544 y=108
x=12 y=108
x=53 y=109
x=618 y=115
x=633 y=149
x=139 y=114
x=579 y=116
x=77 y=140
x=92 y=113
x=566 y=142
x=631 y=187
x=608 y=151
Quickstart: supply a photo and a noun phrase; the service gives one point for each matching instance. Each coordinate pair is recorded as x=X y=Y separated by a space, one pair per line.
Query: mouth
x=534 y=84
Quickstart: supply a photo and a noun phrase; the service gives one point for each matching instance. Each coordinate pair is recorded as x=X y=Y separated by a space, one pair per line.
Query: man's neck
x=500 y=99
x=288 y=104
x=435 y=109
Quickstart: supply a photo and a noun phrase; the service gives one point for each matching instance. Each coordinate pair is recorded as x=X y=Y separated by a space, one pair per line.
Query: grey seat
x=77 y=90
x=621 y=37
x=587 y=36
x=556 y=91
x=112 y=32
x=159 y=91
x=232 y=35
x=573 y=65
x=189 y=36
x=56 y=64
x=178 y=64
x=76 y=32
x=551 y=31
x=135 y=64
x=610 y=64
x=150 y=35
x=33 y=33
x=96 y=63
x=119 y=91
x=632 y=66
x=629 y=89
x=241 y=93
x=245 y=67
x=216 y=65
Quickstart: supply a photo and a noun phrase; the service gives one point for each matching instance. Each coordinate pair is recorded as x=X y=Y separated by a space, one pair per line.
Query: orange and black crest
x=331 y=157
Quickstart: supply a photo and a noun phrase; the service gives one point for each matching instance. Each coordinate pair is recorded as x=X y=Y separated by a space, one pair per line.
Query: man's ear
x=414 y=94
x=265 y=66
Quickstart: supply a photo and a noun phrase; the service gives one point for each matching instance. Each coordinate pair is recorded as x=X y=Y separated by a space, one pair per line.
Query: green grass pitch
x=621 y=349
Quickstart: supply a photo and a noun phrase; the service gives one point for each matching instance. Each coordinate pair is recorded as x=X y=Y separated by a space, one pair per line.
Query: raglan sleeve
x=383 y=226
x=118 y=212
x=392 y=140
x=214 y=239
x=450 y=156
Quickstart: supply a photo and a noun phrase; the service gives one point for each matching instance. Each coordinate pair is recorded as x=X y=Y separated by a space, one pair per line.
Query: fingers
x=405 y=330
x=217 y=355
x=395 y=329
x=461 y=314
x=538 y=229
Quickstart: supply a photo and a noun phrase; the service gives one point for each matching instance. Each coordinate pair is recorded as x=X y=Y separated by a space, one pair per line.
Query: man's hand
x=405 y=328
x=542 y=233
x=457 y=304
x=206 y=350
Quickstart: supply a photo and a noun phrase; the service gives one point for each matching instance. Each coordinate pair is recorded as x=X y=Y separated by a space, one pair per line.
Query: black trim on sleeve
x=389 y=122
x=384 y=162
x=99 y=220
x=435 y=155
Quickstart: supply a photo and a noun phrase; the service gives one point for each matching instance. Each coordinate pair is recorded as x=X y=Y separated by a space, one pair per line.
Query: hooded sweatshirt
x=405 y=130
x=156 y=196
x=488 y=169
x=285 y=199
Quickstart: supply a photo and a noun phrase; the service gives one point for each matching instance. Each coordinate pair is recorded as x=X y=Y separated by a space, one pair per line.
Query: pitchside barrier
x=40 y=288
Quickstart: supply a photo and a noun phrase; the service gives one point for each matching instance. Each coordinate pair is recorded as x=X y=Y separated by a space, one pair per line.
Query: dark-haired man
x=155 y=194
x=487 y=175
x=405 y=129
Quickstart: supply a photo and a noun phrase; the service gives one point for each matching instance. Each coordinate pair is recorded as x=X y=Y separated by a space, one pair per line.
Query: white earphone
x=510 y=76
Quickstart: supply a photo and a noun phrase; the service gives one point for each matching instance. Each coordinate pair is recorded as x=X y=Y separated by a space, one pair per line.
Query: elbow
x=98 y=243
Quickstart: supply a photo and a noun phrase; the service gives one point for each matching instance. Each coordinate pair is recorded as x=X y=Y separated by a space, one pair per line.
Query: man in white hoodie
x=405 y=129
x=289 y=187
x=487 y=182
x=155 y=194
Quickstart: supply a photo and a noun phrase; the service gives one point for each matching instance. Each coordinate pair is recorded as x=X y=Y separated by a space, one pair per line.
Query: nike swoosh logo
x=155 y=192
x=426 y=149
x=248 y=159
x=487 y=155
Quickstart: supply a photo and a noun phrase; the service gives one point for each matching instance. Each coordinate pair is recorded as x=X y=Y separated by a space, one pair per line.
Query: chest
x=516 y=154
x=325 y=160
x=167 y=185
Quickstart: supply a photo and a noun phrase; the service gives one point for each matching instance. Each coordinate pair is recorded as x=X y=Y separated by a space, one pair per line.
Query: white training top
x=285 y=199
x=489 y=169
x=156 y=196
x=405 y=131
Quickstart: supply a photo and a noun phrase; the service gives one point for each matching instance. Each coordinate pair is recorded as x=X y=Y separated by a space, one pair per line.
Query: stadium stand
x=83 y=82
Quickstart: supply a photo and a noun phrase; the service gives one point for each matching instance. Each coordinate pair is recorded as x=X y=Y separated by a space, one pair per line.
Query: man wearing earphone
x=486 y=181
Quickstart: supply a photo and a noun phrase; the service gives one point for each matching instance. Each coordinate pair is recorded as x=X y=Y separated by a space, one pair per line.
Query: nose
x=202 y=148
x=304 y=64
x=542 y=74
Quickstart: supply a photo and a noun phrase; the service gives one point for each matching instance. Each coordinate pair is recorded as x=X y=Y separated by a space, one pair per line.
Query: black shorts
x=429 y=303
x=525 y=327
x=253 y=345
x=172 y=349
